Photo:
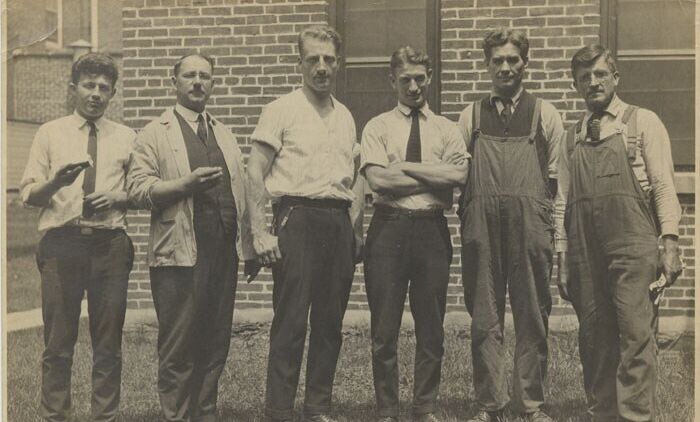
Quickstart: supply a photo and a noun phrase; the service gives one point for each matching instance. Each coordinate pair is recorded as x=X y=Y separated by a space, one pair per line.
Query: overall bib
x=507 y=246
x=612 y=258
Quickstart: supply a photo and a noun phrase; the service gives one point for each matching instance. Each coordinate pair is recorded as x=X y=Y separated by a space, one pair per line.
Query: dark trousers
x=507 y=247
x=315 y=273
x=71 y=263
x=399 y=249
x=194 y=306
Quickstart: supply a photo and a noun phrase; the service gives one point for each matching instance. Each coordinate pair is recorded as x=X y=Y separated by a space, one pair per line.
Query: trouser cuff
x=310 y=410
x=389 y=412
x=279 y=414
x=423 y=409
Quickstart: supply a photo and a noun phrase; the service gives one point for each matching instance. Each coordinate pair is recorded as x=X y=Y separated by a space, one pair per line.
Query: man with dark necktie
x=85 y=247
x=507 y=232
x=188 y=171
x=412 y=159
x=616 y=198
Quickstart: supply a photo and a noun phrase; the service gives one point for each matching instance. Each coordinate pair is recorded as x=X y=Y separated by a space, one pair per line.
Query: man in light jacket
x=188 y=171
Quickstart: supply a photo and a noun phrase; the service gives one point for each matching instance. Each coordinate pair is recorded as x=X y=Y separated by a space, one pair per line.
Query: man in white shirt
x=76 y=174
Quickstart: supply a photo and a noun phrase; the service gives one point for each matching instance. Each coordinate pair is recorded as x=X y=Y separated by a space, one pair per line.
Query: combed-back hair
x=178 y=63
x=409 y=55
x=590 y=54
x=322 y=33
x=503 y=36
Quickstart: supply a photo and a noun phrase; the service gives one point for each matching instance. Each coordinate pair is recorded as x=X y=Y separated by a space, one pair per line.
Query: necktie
x=90 y=172
x=594 y=126
x=506 y=113
x=202 y=131
x=413 y=152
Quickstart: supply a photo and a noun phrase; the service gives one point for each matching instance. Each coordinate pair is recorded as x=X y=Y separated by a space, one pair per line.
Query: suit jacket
x=160 y=154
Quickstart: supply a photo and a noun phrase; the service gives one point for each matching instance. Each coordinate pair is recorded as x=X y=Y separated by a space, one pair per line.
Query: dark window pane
x=368 y=92
x=655 y=24
x=373 y=28
x=666 y=87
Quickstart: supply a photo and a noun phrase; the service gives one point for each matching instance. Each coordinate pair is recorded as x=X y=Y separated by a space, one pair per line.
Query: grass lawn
x=242 y=387
x=23 y=281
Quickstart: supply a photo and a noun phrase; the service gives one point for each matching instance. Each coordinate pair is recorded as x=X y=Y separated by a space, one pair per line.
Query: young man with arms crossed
x=412 y=159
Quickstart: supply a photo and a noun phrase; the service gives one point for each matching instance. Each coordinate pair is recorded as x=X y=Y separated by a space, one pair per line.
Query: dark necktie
x=202 y=131
x=593 y=127
x=90 y=172
x=506 y=113
x=413 y=152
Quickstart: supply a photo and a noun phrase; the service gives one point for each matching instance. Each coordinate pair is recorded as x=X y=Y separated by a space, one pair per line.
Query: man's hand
x=563 y=277
x=670 y=260
x=359 y=247
x=203 y=178
x=266 y=248
x=66 y=175
x=251 y=268
x=102 y=201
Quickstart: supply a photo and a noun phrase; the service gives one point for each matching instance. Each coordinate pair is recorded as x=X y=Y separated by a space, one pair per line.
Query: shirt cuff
x=669 y=228
x=26 y=190
x=561 y=245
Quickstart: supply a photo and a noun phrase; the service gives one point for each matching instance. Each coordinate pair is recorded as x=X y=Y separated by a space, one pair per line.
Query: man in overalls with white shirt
x=615 y=192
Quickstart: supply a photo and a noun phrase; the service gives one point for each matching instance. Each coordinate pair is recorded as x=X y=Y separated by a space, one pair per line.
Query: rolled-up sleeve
x=555 y=135
x=454 y=142
x=465 y=124
x=37 y=169
x=563 y=180
x=656 y=150
x=270 y=127
x=373 y=147
x=144 y=172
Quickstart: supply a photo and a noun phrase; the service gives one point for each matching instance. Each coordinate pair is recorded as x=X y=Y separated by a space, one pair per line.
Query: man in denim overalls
x=615 y=193
x=507 y=230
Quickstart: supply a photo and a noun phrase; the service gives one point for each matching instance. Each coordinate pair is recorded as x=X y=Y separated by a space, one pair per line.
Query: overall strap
x=541 y=146
x=571 y=135
x=476 y=125
x=535 y=119
x=629 y=118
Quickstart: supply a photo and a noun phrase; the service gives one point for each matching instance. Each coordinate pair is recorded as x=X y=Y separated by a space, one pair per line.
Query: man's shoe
x=388 y=419
x=428 y=417
x=537 y=416
x=321 y=417
x=484 y=416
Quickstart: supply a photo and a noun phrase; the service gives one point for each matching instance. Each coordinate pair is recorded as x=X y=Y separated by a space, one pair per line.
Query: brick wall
x=40 y=96
x=254 y=43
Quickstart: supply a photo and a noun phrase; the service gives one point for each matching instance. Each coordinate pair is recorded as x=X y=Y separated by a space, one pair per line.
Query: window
x=371 y=31
x=655 y=48
x=51 y=19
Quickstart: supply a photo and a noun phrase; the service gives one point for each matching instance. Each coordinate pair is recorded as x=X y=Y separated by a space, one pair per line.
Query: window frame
x=609 y=38
x=433 y=27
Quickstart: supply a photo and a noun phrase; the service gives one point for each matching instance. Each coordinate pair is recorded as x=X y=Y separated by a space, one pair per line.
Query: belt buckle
x=86 y=230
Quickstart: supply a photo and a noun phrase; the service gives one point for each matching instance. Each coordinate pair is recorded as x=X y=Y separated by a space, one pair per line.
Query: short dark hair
x=588 y=55
x=178 y=63
x=322 y=33
x=503 y=36
x=410 y=55
x=94 y=64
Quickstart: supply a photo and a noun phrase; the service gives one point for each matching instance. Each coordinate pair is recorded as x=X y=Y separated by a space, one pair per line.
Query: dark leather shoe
x=537 y=416
x=428 y=417
x=321 y=417
x=484 y=416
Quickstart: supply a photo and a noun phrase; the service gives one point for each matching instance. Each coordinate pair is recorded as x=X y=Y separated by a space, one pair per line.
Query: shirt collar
x=190 y=115
x=406 y=110
x=81 y=121
x=614 y=108
x=515 y=98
